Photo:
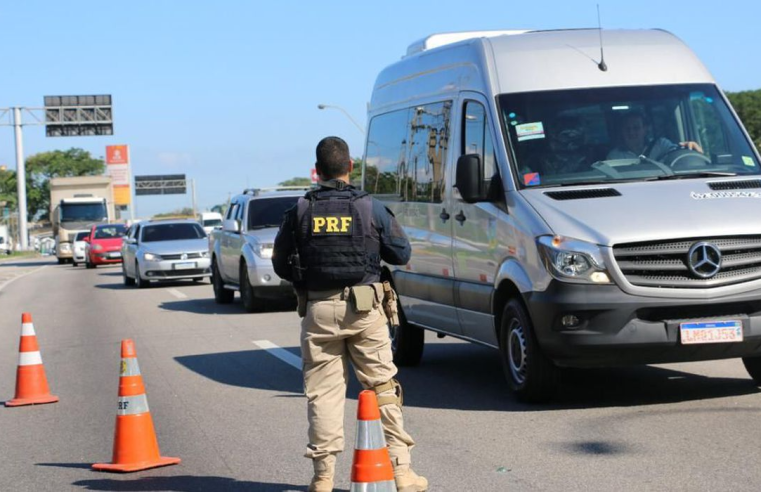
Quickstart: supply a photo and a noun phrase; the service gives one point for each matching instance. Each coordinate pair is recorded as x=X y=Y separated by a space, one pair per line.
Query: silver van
x=566 y=210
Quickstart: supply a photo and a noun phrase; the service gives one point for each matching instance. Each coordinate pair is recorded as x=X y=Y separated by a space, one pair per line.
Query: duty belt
x=335 y=294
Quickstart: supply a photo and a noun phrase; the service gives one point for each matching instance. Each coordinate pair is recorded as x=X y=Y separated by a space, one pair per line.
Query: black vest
x=338 y=245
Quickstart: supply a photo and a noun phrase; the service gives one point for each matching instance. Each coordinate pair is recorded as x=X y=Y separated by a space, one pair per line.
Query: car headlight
x=204 y=254
x=264 y=250
x=65 y=246
x=151 y=257
x=97 y=247
x=571 y=260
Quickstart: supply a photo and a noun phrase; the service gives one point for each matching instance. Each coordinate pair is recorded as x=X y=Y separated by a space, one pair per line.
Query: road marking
x=176 y=293
x=2 y=286
x=280 y=353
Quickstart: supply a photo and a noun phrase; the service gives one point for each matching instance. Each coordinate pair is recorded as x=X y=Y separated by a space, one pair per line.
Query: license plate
x=115 y=255
x=711 y=332
x=184 y=266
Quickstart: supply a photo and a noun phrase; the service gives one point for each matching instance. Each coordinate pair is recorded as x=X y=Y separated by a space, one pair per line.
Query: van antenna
x=602 y=66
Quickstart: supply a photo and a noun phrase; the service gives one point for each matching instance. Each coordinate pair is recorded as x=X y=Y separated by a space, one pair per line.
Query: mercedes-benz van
x=568 y=210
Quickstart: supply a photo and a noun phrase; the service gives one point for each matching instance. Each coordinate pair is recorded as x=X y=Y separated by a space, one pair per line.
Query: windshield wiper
x=701 y=174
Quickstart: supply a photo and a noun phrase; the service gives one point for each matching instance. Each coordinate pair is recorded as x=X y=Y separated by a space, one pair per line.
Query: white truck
x=75 y=204
x=5 y=240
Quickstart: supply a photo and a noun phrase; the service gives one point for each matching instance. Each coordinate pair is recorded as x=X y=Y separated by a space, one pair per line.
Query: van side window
x=476 y=139
x=406 y=153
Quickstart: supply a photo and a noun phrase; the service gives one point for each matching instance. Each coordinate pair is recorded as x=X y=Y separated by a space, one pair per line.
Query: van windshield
x=602 y=135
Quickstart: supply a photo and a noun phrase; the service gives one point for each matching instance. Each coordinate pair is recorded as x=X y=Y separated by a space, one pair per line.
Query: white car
x=80 y=248
x=210 y=221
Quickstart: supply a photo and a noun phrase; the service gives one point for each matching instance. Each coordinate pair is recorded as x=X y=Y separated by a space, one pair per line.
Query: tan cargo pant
x=332 y=334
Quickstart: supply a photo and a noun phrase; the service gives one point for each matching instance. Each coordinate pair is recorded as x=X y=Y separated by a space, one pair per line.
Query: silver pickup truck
x=242 y=249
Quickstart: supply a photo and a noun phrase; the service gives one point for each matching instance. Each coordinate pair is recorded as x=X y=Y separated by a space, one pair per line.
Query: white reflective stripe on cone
x=27 y=329
x=369 y=435
x=29 y=359
x=129 y=367
x=387 y=486
x=132 y=405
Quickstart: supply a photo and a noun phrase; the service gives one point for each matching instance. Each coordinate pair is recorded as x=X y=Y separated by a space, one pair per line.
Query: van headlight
x=151 y=257
x=264 y=250
x=571 y=260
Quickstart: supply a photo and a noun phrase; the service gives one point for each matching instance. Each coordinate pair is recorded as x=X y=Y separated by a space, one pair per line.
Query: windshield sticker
x=529 y=131
x=725 y=194
x=531 y=179
x=748 y=161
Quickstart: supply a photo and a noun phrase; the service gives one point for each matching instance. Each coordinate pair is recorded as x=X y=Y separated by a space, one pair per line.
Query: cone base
x=133 y=467
x=39 y=400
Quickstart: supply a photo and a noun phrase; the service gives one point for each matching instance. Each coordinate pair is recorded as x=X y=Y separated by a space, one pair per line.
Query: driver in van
x=634 y=141
x=568 y=151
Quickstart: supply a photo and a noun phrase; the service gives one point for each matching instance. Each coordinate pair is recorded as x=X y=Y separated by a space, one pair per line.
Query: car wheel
x=407 y=341
x=128 y=281
x=74 y=264
x=139 y=281
x=221 y=295
x=250 y=302
x=532 y=377
x=89 y=264
x=753 y=366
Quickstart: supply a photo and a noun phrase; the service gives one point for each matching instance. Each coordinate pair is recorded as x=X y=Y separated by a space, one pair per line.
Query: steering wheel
x=684 y=158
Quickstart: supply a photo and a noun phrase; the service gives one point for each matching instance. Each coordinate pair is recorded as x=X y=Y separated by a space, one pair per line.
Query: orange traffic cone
x=371 y=469
x=31 y=383
x=135 y=444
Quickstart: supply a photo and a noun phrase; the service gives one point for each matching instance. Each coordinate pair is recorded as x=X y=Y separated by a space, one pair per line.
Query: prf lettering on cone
x=31 y=383
x=135 y=445
x=371 y=470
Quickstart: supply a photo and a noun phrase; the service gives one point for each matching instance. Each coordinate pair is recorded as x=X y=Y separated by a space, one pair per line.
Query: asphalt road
x=234 y=412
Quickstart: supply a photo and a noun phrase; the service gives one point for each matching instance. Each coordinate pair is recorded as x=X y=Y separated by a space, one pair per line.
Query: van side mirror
x=469 y=179
x=231 y=225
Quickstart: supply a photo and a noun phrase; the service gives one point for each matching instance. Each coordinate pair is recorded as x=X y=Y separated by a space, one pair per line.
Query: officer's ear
x=351 y=165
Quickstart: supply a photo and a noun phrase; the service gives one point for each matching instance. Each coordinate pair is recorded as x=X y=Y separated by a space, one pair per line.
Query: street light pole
x=20 y=180
x=324 y=106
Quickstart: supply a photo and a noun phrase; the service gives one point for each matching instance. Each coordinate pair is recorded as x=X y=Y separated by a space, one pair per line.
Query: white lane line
x=280 y=353
x=176 y=293
x=2 y=286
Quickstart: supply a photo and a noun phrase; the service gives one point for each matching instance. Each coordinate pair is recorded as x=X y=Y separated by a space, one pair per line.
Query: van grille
x=664 y=264
x=745 y=184
x=582 y=194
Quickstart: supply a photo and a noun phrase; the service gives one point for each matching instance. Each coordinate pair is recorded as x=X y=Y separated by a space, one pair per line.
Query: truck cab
x=242 y=248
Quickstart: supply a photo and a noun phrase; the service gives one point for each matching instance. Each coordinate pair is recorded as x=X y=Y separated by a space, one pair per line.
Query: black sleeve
x=284 y=245
x=394 y=246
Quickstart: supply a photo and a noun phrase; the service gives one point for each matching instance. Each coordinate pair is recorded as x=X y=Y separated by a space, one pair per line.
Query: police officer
x=330 y=246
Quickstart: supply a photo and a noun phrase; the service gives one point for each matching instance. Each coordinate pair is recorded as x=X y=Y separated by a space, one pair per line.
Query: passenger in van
x=634 y=140
x=567 y=150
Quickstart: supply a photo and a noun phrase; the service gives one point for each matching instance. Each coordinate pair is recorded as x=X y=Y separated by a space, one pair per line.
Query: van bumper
x=617 y=328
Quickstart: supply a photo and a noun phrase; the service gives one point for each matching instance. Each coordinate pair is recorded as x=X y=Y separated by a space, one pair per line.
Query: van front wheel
x=407 y=341
x=532 y=377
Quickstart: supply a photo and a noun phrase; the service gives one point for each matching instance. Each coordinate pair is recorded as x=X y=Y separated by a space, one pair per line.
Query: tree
x=183 y=212
x=55 y=164
x=296 y=182
x=220 y=209
x=8 y=189
x=748 y=107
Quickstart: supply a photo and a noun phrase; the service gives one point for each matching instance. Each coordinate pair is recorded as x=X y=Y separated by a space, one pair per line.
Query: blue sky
x=227 y=91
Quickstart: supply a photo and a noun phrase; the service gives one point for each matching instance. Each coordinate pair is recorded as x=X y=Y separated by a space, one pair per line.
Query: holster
x=390 y=305
x=301 y=298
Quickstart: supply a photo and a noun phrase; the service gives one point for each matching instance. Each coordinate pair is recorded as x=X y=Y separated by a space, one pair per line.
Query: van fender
x=512 y=281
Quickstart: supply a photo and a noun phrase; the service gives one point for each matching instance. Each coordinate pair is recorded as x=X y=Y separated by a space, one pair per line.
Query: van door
x=481 y=233
x=407 y=166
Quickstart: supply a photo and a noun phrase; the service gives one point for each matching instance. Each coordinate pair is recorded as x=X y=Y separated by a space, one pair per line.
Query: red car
x=104 y=245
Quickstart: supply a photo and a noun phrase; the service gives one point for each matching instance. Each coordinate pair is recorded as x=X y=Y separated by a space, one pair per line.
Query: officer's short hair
x=333 y=159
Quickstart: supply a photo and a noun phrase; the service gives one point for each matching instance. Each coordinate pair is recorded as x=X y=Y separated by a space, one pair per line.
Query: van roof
x=499 y=62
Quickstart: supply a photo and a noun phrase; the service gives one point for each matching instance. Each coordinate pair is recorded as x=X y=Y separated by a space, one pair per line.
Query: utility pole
x=20 y=181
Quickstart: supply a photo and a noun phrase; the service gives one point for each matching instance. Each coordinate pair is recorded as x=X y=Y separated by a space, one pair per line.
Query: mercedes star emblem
x=704 y=260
